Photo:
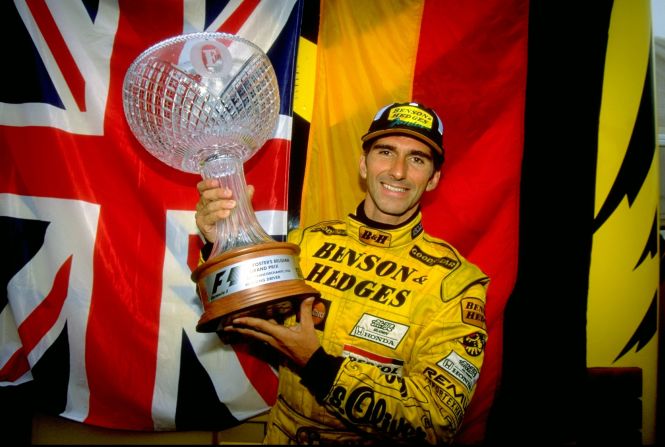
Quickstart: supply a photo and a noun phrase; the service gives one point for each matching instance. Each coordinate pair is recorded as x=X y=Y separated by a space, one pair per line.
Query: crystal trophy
x=205 y=103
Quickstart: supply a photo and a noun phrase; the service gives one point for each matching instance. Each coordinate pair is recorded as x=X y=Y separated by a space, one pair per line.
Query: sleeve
x=427 y=403
x=205 y=252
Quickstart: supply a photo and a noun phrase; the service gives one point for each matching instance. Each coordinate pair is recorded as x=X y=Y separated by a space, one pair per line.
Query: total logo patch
x=387 y=365
x=384 y=332
x=461 y=369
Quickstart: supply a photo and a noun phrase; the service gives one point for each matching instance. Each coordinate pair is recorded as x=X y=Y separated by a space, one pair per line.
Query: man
x=392 y=350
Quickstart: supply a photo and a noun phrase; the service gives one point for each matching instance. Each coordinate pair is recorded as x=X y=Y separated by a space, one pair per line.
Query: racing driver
x=392 y=350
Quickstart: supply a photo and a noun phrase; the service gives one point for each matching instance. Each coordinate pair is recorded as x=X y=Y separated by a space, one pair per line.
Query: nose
x=398 y=168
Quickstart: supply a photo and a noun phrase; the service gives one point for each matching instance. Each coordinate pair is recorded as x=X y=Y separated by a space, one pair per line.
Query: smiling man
x=392 y=350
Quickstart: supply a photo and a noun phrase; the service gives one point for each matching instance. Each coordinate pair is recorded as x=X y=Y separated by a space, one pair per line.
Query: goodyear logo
x=372 y=236
x=411 y=115
x=430 y=260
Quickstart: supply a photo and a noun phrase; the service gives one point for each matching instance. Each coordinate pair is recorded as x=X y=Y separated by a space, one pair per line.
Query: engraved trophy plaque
x=205 y=103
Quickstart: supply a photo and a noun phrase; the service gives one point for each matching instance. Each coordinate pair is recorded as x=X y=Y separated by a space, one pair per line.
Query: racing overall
x=402 y=330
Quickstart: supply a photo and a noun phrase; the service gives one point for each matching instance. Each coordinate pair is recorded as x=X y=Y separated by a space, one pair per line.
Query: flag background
x=99 y=313
x=433 y=52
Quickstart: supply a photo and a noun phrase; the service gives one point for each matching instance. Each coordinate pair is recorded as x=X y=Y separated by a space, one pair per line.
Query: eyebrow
x=411 y=151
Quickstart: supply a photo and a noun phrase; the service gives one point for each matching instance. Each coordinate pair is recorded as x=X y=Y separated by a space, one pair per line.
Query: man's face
x=398 y=170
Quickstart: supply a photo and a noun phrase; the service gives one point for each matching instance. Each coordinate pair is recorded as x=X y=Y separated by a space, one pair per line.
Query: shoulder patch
x=473 y=311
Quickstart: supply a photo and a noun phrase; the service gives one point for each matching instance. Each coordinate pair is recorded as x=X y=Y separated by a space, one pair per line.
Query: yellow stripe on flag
x=621 y=288
x=366 y=58
x=303 y=90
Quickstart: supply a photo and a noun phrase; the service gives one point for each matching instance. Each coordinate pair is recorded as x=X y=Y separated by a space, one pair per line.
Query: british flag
x=99 y=236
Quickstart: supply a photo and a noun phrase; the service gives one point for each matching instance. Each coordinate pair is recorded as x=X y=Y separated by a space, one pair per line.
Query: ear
x=433 y=181
x=363 y=166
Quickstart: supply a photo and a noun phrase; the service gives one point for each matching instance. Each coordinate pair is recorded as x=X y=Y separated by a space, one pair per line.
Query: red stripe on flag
x=270 y=190
x=479 y=190
x=134 y=189
x=44 y=316
x=61 y=53
x=239 y=16
x=16 y=366
x=259 y=373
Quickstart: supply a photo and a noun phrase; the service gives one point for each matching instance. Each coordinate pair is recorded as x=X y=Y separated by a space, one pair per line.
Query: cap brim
x=399 y=131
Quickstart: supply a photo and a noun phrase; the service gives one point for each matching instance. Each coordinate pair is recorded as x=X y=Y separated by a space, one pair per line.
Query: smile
x=394 y=188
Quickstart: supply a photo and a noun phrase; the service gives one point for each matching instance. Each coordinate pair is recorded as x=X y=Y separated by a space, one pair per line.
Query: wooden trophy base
x=262 y=280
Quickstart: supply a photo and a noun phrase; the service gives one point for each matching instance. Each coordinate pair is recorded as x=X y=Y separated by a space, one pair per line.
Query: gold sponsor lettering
x=412 y=115
x=473 y=312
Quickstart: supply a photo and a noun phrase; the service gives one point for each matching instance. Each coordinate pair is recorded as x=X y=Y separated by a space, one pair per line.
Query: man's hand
x=296 y=342
x=215 y=203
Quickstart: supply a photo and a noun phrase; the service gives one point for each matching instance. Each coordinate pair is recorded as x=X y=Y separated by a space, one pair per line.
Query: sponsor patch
x=372 y=236
x=378 y=330
x=461 y=369
x=329 y=230
x=320 y=310
x=429 y=260
x=387 y=365
x=412 y=115
x=473 y=312
x=474 y=344
x=415 y=231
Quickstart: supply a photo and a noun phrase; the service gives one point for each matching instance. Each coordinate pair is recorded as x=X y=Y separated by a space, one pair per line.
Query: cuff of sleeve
x=206 y=250
x=318 y=374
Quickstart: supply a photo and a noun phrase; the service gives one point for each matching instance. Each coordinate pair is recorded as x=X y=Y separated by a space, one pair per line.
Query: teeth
x=394 y=188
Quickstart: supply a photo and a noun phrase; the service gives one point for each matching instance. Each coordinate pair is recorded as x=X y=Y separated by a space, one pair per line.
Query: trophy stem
x=241 y=228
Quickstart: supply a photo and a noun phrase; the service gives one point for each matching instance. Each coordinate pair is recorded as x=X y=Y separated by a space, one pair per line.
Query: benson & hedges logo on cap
x=411 y=115
x=411 y=119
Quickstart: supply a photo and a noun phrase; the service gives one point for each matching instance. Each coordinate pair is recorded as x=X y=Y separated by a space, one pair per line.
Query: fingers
x=257 y=325
x=306 y=306
x=251 y=332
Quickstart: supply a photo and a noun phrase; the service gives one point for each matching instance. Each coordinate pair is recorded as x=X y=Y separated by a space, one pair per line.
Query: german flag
x=550 y=185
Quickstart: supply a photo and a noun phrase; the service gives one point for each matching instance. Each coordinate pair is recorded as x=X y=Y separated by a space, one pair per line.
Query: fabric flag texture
x=99 y=239
x=467 y=63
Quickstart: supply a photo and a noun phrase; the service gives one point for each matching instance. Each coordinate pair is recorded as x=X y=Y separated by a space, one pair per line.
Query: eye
x=416 y=159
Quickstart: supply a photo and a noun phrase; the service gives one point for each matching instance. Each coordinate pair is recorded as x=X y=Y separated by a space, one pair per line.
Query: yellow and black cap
x=411 y=119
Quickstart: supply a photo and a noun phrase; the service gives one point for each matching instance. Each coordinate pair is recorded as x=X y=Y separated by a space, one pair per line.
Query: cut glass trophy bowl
x=205 y=103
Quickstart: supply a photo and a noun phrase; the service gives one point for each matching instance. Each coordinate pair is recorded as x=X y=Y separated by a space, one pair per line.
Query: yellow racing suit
x=402 y=330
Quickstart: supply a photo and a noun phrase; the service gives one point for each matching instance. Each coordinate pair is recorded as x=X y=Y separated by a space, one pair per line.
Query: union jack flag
x=99 y=310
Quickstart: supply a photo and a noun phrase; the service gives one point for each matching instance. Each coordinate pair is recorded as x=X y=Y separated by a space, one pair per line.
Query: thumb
x=306 y=307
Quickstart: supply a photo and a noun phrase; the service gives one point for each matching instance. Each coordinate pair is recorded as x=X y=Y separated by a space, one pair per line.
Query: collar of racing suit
x=379 y=234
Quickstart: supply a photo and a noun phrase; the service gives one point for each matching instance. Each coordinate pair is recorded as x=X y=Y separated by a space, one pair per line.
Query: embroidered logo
x=461 y=369
x=372 y=236
x=378 y=330
x=387 y=365
x=473 y=312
